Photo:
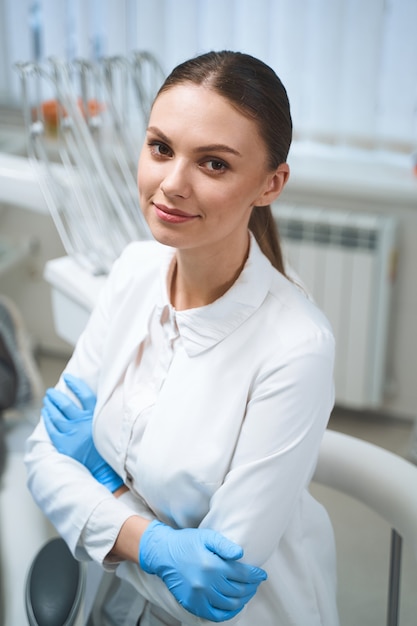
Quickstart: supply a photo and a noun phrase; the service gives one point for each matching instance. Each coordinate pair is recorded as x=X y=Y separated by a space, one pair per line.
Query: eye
x=215 y=165
x=159 y=149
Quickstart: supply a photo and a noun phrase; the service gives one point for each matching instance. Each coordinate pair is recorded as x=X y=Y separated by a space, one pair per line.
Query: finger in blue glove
x=201 y=568
x=70 y=429
x=81 y=391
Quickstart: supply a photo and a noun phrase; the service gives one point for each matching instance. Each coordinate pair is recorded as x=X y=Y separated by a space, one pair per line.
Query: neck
x=198 y=280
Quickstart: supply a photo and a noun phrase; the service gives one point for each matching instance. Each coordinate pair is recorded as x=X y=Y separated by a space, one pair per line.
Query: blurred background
x=76 y=81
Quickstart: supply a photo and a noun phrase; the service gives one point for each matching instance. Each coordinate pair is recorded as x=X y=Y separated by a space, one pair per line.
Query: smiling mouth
x=173 y=216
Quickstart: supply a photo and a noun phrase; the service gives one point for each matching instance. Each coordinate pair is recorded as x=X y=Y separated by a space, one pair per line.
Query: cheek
x=233 y=201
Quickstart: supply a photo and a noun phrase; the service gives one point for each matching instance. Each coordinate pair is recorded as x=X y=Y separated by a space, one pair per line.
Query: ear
x=275 y=184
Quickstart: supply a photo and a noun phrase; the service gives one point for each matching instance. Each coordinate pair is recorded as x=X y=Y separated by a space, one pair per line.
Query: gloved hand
x=70 y=429
x=201 y=569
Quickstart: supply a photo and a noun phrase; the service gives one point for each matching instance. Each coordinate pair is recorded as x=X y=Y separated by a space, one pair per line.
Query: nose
x=176 y=182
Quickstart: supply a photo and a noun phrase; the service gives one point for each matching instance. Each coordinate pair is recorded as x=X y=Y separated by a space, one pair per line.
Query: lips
x=172 y=215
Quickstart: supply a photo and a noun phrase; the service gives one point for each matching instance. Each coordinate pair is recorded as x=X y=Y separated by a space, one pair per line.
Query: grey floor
x=362 y=538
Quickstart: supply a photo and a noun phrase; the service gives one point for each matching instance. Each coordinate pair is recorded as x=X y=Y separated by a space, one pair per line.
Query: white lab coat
x=232 y=440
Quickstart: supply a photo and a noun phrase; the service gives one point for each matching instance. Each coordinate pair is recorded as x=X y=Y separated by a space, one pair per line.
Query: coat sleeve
x=277 y=449
x=63 y=488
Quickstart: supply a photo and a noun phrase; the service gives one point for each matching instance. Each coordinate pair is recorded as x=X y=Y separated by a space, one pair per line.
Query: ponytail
x=265 y=231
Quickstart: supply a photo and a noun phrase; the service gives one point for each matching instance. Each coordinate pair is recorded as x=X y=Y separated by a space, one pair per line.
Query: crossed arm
x=200 y=567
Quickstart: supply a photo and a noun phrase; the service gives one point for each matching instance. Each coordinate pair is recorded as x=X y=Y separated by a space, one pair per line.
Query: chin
x=161 y=235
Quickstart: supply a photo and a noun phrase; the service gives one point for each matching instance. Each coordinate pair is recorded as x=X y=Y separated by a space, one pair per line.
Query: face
x=202 y=169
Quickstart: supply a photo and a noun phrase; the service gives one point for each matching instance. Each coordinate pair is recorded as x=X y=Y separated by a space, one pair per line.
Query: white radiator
x=347 y=262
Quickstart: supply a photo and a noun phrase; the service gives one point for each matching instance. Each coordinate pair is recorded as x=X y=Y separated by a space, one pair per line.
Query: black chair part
x=54 y=586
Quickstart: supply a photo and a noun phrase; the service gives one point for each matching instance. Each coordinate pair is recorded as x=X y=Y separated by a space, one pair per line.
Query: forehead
x=199 y=111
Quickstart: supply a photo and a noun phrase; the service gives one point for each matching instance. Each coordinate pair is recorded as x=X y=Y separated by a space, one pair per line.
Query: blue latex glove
x=201 y=569
x=70 y=429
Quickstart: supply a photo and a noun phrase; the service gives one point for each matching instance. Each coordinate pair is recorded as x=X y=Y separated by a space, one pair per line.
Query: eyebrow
x=214 y=147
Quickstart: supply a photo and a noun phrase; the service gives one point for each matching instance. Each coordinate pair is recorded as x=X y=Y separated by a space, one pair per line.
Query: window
x=350 y=67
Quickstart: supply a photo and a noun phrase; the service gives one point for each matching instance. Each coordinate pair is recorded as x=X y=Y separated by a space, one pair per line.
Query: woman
x=213 y=377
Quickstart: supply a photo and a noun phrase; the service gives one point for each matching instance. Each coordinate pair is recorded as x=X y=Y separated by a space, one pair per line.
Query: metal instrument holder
x=87 y=171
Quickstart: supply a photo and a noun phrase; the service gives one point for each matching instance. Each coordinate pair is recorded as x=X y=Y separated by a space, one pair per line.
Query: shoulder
x=139 y=261
x=294 y=321
x=150 y=251
x=136 y=273
x=286 y=321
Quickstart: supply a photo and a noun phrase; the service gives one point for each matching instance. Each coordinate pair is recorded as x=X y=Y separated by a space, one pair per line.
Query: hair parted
x=256 y=91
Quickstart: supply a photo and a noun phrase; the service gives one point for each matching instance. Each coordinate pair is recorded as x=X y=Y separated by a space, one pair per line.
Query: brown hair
x=253 y=88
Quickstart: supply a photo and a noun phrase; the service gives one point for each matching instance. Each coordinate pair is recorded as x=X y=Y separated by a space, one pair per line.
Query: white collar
x=204 y=327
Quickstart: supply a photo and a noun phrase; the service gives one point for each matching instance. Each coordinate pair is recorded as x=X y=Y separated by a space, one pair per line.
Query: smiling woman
x=203 y=382
x=203 y=169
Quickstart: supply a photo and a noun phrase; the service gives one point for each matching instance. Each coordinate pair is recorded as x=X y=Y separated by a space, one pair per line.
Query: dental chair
x=379 y=479
x=54 y=587
x=384 y=482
